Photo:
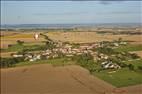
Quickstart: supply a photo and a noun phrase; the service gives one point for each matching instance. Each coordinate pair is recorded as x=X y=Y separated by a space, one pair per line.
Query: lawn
x=129 y=47
x=120 y=78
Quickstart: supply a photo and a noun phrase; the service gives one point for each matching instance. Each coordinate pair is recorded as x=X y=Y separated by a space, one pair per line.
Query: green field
x=136 y=63
x=126 y=48
x=55 y=62
x=120 y=78
x=28 y=47
x=124 y=76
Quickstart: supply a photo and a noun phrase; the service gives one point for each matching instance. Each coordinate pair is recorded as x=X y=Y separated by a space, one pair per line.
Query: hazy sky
x=56 y=12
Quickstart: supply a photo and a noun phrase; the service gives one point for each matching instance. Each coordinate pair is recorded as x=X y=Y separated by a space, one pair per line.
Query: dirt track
x=46 y=79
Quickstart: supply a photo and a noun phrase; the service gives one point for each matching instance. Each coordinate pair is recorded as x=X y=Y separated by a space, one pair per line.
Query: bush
x=9 y=62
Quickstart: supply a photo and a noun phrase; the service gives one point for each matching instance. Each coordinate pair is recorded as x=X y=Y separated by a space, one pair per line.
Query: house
x=85 y=51
x=84 y=47
x=31 y=59
x=105 y=62
x=103 y=56
x=54 y=55
x=107 y=66
x=116 y=44
x=123 y=43
x=38 y=57
x=28 y=56
x=110 y=65
x=69 y=55
x=68 y=46
x=16 y=55
x=79 y=53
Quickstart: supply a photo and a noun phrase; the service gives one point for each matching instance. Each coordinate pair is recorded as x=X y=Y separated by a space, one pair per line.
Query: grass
x=120 y=78
x=124 y=76
x=135 y=62
x=16 y=48
x=55 y=62
x=34 y=43
x=129 y=47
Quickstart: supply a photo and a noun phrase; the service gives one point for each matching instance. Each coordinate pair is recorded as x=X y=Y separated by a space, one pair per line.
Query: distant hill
x=24 y=26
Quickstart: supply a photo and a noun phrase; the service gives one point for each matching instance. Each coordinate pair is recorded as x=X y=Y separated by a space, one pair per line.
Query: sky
x=70 y=12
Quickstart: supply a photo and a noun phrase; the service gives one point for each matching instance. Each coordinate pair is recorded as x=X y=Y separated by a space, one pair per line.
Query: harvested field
x=46 y=79
x=133 y=89
x=76 y=37
x=12 y=37
x=85 y=37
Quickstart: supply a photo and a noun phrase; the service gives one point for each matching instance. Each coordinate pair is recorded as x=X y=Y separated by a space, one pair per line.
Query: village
x=59 y=49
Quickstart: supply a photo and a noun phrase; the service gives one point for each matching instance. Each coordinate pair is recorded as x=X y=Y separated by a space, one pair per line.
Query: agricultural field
x=71 y=47
x=136 y=47
x=123 y=77
x=128 y=75
x=77 y=37
x=86 y=37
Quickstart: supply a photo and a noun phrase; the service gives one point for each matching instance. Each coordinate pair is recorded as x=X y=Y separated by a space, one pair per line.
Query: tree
x=134 y=56
x=131 y=67
x=19 y=42
x=9 y=62
x=86 y=61
x=120 y=40
x=106 y=50
x=50 y=44
x=46 y=37
x=140 y=67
